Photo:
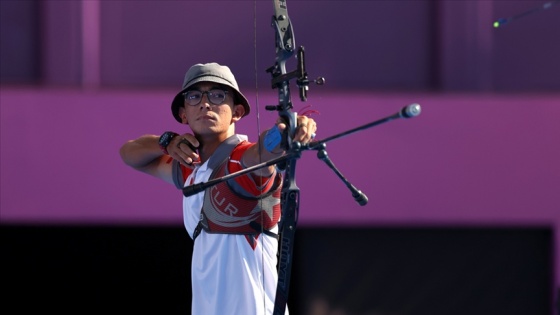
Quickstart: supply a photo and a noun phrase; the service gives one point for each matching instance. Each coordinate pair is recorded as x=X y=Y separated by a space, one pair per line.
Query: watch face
x=166 y=138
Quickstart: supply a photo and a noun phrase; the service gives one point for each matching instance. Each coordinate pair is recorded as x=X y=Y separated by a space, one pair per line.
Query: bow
x=285 y=49
x=285 y=45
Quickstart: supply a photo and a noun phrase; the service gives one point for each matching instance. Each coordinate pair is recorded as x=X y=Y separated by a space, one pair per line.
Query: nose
x=205 y=101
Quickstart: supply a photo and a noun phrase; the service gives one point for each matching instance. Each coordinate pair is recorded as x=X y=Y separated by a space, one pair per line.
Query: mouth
x=207 y=117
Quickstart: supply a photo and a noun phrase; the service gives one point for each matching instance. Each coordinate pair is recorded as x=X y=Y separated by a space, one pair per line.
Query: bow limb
x=285 y=42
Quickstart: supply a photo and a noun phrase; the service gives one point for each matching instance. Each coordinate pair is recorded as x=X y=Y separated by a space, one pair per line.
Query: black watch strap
x=165 y=139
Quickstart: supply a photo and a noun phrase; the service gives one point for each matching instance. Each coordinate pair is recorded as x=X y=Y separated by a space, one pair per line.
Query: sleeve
x=179 y=173
x=248 y=184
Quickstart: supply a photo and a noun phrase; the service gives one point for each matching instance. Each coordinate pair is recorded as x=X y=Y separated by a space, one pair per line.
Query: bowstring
x=261 y=236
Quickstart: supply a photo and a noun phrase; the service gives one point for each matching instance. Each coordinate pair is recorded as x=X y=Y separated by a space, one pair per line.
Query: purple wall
x=373 y=45
x=467 y=159
x=487 y=155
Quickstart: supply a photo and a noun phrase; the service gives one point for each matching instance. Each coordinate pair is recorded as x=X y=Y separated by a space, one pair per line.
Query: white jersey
x=228 y=275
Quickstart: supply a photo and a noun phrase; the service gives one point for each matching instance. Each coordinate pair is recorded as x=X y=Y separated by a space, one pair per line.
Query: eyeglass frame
x=208 y=93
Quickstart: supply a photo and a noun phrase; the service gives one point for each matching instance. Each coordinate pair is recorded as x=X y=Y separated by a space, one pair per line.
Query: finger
x=185 y=153
x=183 y=158
x=281 y=126
x=301 y=133
x=304 y=132
x=188 y=149
x=307 y=132
x=184 y=142
x=189 y=165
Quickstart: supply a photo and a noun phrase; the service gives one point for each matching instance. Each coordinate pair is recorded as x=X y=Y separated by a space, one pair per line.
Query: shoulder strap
x=180 y=172
x=223 y=151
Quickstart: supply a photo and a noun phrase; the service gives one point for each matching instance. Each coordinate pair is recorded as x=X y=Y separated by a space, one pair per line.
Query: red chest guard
x=236 y=206
x=227 y=209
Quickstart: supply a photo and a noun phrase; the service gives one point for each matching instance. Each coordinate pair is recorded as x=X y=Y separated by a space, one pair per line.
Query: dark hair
x=236 y=98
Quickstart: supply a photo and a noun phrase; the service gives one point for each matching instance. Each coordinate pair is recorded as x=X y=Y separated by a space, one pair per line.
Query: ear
x=238 y=112
x=183 y=115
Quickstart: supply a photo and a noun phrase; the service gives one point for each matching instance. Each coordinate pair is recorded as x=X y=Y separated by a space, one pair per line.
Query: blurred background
x=464 y=210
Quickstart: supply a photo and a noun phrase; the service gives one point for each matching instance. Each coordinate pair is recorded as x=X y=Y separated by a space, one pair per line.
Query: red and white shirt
x=230 y=273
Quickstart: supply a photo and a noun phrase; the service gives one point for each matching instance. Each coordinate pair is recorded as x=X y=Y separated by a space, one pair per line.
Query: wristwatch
x=165 y=139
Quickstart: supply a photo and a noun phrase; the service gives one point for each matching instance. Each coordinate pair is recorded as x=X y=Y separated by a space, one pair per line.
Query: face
x=207 y=117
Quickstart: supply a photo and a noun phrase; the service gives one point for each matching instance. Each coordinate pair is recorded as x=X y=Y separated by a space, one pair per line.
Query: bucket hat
x=208 y=72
